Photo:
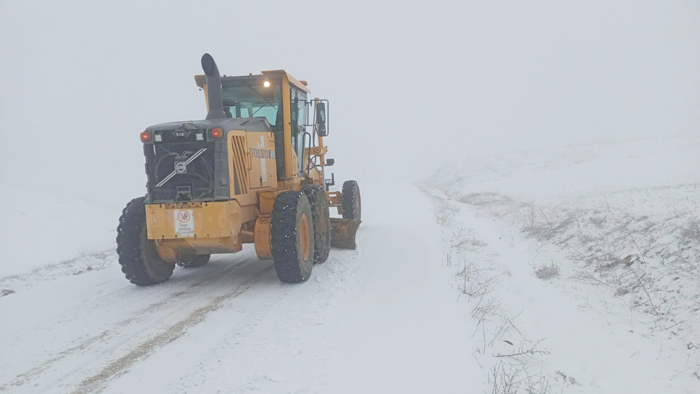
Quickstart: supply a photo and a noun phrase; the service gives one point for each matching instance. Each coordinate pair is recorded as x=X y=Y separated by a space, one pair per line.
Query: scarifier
x=253 y=171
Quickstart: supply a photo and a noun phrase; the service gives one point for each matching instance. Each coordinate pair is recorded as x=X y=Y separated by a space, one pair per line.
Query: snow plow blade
x=343 y=233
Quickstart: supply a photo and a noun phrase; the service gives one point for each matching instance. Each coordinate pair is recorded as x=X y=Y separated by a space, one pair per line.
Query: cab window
x=249 y=97
x=298 y=121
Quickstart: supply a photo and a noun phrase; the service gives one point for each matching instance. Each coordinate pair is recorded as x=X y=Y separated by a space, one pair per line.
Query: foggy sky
x=412 y=85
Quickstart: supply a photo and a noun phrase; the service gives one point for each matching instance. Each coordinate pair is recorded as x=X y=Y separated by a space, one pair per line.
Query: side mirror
x=330 y=162
x=321 y=119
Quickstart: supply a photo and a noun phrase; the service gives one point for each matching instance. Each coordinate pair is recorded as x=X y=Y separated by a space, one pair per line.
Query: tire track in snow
x=143 y=350
x=102 y=337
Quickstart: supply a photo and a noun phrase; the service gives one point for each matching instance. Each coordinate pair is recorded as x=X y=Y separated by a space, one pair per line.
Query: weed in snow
x=547 y=271
x=512 y=372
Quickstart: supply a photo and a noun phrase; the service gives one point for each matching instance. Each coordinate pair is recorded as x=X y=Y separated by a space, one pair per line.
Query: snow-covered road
x=378 y=319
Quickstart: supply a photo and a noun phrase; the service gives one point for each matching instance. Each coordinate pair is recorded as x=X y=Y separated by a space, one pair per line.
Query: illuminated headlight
x=159 y=138
x=199 y=137
x=266 y=84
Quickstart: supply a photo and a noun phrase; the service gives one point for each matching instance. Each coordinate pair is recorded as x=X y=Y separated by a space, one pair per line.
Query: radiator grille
x=198 y=182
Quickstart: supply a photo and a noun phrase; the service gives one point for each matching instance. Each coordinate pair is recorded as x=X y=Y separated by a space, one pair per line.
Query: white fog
x=530 y=162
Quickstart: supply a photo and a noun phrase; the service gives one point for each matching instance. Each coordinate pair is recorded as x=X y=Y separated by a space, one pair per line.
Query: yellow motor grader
x=251 y=172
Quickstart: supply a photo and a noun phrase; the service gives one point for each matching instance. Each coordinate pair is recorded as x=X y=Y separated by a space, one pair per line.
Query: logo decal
x=262 y=153
x=180 y=167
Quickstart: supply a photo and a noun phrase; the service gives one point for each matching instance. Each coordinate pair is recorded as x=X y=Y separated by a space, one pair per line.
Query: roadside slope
x=581 y=264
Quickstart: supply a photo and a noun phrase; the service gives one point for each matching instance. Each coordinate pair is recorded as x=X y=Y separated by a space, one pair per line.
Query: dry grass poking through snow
x=643 y=245
x=512 y=363
x=547 y=271
x=637 y=248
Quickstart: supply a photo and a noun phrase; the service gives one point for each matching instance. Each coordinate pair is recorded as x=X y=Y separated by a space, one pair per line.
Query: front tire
x=138 y=256
x=352 y=204
x=292 y=237
x=322 y=222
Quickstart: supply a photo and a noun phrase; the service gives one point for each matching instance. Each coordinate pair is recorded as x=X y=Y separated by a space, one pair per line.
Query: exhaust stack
x=214 y=90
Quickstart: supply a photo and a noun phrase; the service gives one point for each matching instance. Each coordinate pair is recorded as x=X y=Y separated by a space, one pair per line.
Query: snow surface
x=586 y=258
x=560 y=270
x=69 y=224
x=473 y=281
x=381 y=318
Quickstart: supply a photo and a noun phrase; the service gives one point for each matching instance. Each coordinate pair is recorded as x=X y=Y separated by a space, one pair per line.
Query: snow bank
x=609 y=231
x=47 y=227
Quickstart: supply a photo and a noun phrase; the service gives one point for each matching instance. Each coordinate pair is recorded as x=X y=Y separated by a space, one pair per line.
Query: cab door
x=300 y=138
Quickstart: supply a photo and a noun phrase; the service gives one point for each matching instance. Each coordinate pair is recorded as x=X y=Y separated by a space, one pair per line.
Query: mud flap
x=343 y=233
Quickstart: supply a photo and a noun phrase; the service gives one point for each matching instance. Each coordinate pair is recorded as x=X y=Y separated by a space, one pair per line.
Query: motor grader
x=251 y=172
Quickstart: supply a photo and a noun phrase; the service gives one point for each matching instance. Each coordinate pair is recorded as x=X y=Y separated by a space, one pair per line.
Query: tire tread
x=285 y=251
x=129 y=232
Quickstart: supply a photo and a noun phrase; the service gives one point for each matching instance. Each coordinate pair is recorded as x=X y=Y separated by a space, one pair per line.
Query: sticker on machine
x=184 y=222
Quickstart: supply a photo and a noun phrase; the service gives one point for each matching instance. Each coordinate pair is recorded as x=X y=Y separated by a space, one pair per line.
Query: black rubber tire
x=137 y=254
x=194 y=261
x=352 y=203
x=322 y=222
x=287 y=254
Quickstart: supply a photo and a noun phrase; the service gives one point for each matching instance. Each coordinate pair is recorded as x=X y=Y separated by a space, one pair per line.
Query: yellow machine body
x=193 y=228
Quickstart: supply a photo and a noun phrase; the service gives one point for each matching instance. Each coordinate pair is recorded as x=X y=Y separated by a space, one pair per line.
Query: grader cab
x=253 y=171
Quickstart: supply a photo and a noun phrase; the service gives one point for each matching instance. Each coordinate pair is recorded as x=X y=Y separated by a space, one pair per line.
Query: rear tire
x=292 y=236
x=194 y=261
x=137 y=254
x=352 y=203
x=322 y=222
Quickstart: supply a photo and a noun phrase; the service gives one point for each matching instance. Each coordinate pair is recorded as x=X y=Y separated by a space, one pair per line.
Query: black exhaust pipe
x=214 y=90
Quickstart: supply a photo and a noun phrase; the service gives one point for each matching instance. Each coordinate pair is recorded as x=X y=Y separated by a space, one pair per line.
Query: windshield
x=249 y=97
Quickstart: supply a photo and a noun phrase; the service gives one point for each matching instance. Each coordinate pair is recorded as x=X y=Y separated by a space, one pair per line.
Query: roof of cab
x=200 y=80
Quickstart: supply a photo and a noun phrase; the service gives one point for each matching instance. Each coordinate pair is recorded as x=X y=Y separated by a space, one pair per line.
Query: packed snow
x=381 y=317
